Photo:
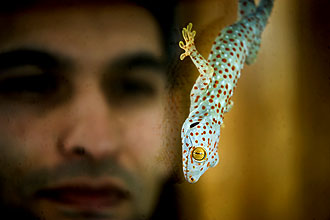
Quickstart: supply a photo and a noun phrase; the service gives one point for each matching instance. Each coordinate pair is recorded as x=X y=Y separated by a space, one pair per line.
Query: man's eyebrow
x=137 y=60
x=29 y=56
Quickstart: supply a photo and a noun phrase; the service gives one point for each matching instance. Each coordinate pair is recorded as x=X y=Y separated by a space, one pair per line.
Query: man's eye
x=31 y=84
x=128 y=91
x=28 y=87
x=136 y=88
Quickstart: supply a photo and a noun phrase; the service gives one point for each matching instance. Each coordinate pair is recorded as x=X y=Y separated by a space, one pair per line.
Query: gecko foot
x=188 y=36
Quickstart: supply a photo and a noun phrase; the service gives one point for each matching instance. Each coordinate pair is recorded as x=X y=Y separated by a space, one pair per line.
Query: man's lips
x=85 y=196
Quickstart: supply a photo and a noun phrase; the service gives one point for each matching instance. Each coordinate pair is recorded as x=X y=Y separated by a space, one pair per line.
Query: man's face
x=81 y=110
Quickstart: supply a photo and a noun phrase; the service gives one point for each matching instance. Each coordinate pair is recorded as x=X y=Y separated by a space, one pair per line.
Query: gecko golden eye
x=199 y=153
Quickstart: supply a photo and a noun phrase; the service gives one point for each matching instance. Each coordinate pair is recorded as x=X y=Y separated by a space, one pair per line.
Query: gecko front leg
x=205 y=69
x=188 y=36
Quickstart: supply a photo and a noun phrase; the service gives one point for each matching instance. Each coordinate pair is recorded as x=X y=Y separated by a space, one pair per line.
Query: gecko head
x=198 y=150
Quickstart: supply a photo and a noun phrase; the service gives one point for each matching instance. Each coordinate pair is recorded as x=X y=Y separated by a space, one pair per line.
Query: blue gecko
x=211 y=94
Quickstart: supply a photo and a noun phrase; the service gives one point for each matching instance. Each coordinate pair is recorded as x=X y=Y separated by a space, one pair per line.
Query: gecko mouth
x=188 y=158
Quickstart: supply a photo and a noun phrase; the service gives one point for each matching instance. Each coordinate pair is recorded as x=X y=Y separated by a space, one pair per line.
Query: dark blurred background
x=275 y=147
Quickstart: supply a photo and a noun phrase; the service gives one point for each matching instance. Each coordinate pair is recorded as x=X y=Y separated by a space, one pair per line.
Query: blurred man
x=81 y=110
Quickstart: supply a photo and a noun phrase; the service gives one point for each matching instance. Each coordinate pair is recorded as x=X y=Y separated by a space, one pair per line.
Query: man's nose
x=93 y=129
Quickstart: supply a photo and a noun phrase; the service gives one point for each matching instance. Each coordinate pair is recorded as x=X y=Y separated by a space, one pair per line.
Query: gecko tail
x=247 y=8
x=263 y=12
x=266 y=6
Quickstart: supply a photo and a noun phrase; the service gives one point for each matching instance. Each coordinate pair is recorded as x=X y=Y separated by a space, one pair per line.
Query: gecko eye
x=199 y=153
x=194 y=124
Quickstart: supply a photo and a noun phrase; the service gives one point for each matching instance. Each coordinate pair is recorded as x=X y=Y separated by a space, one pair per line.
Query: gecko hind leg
x=229 y=106
x=227 y=109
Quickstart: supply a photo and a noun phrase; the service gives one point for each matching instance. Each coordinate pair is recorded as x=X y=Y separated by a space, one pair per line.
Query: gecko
x=211 y=94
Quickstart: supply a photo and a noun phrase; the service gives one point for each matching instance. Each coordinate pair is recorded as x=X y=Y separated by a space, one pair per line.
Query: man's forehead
x=82 y=14
x=89 y=28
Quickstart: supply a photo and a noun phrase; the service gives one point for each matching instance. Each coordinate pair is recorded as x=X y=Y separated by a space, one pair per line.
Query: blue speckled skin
x=211 y=94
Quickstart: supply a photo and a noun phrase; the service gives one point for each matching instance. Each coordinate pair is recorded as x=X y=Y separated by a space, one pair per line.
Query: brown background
x=275 y=148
